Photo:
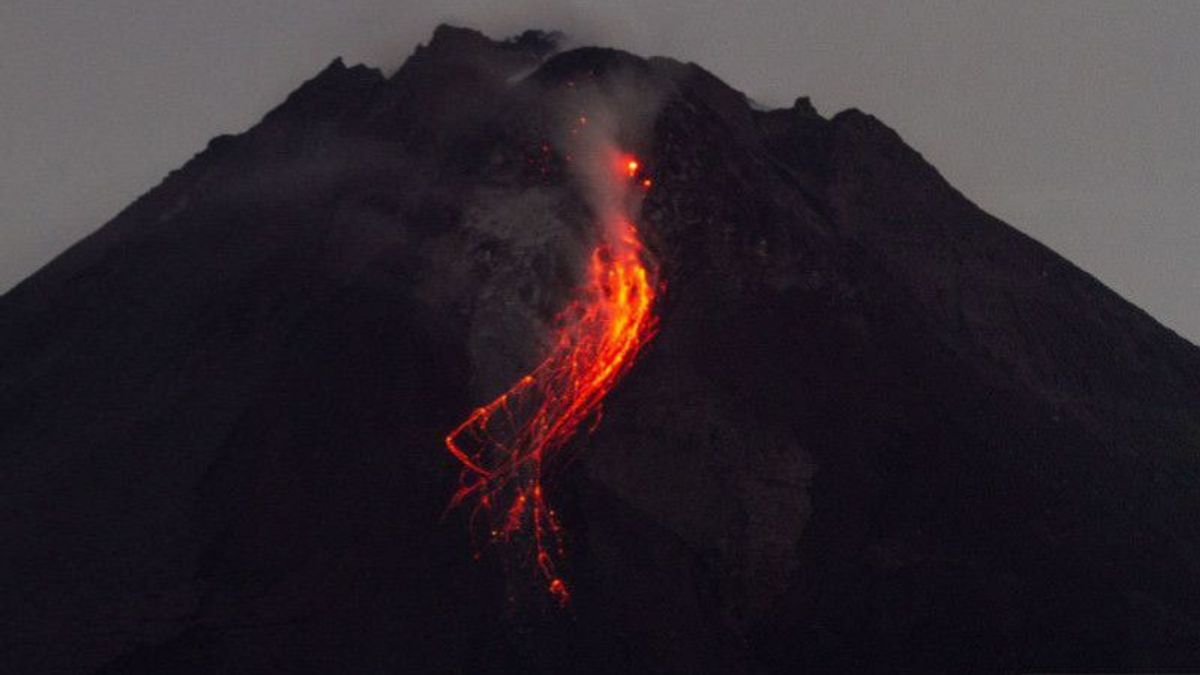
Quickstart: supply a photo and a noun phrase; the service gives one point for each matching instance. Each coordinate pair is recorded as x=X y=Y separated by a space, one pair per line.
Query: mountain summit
x=877 y=429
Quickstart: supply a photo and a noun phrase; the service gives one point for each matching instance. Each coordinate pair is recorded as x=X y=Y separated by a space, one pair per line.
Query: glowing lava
x=505 y=445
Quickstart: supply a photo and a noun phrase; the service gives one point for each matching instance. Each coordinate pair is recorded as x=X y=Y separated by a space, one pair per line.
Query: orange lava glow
x=505 y=445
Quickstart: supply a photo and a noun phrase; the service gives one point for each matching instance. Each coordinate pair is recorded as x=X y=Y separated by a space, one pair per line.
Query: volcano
x=868 y=428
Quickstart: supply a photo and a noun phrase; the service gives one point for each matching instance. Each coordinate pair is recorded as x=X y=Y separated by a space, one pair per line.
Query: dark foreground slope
x=879 y=430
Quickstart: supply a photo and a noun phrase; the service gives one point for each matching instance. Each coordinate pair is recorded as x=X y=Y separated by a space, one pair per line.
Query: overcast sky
x=1074 y=121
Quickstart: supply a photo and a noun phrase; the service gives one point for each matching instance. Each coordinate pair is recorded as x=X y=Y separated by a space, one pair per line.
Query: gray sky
x=1074 y=121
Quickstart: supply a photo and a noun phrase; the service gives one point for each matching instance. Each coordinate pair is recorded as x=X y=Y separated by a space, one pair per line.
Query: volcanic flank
x=875 y=430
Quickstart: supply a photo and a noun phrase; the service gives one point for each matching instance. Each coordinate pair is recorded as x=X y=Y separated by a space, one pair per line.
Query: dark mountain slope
x=879 y=430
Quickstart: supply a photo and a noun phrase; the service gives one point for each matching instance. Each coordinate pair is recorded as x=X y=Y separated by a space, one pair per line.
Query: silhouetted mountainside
x=879 y=430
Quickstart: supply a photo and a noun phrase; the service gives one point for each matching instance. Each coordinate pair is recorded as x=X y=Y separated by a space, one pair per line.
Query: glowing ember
x=504 y=445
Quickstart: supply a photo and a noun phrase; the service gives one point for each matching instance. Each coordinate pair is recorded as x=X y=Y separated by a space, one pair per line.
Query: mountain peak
x=458 y=41
x=803 y=106
x=876 y=425
x=447 y=36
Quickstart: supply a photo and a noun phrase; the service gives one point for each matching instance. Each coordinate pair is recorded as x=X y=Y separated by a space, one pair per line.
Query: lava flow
x=505 y=445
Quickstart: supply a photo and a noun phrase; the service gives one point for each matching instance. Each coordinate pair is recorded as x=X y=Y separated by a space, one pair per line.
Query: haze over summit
x=1075 y=122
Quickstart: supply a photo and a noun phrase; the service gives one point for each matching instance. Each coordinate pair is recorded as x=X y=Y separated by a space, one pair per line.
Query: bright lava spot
x=559 y=590
x=505 y=445
x=632 y=167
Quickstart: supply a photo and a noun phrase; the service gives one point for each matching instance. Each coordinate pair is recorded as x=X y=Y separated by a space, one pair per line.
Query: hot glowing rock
x=505 y=445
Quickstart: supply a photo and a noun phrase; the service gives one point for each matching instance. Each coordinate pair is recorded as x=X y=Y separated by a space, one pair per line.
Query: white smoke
x=606 y=124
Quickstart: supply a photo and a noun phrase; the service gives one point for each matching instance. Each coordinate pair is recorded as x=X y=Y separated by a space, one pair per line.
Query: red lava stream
x=504 y=445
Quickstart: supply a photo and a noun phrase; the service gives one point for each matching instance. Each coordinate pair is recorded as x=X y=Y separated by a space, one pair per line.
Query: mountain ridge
x=879 y=430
